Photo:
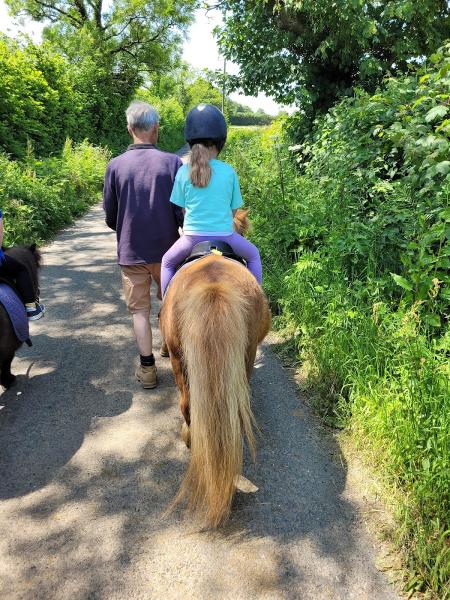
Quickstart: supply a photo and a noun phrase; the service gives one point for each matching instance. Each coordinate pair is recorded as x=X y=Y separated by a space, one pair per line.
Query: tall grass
x=38 y=197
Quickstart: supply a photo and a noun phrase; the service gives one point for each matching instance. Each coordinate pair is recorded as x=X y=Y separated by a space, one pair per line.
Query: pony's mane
x=37 y=257
x=26 y=253
x=241 y=222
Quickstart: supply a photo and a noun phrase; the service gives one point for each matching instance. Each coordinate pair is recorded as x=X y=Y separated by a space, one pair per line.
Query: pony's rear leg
x=7 y=379
x=184 y=407
x=178 y=372
x=186 y=434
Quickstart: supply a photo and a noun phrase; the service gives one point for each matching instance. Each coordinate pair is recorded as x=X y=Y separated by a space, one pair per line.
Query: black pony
x=9 y=343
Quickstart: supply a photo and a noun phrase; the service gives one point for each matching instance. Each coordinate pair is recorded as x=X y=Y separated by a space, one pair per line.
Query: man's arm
x=179 y=214
x=110 y=202
x=178 y=211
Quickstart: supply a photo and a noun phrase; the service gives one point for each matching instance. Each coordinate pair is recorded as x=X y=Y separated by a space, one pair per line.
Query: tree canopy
x=112 y=48
x=143 y=33
x=312 y=51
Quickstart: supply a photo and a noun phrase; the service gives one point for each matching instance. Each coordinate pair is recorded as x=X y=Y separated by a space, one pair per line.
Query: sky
x=199 y=50
x=7 y=25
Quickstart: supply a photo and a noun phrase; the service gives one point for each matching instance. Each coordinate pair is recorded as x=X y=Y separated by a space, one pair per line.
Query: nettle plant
x=423 y=131
x=386 y=159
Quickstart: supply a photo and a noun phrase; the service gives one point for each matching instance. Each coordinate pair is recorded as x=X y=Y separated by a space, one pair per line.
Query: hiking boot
x=164 y=350
x=33 y=314
x=147 y=376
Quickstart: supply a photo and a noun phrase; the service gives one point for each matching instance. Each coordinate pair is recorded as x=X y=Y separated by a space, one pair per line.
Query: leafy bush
x=38 y=197
x=394 y=199
x=45 y=98
x=355 y=246
x=251 y=119
x=171 y=128
x=269 y=184
x=37 y=99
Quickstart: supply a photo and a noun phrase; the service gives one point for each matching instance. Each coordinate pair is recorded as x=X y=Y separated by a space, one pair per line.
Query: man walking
x=136 y=200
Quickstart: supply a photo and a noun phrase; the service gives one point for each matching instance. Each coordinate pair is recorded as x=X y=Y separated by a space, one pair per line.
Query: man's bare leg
x=143 y=332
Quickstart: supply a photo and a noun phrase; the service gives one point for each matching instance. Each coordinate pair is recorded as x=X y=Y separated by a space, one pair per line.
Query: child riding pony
x=17 y=272
x=208 y=191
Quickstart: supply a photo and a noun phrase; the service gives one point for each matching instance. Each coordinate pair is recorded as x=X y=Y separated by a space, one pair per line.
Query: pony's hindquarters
x=214 y=321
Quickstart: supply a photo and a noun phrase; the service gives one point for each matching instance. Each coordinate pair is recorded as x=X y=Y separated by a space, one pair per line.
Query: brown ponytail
x=199 y=168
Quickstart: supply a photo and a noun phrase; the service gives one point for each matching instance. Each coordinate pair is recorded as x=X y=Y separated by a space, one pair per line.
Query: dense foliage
x=247 y=117
x=356 y=251
x=286 y=48
x=37 y=99
x=110 y=49
x=45 y=98
x=38 y=197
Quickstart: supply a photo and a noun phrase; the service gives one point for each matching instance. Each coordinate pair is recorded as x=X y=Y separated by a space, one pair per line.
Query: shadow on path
x=90 y=462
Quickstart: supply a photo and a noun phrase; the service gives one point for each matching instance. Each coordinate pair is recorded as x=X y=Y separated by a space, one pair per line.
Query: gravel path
x=89 y=462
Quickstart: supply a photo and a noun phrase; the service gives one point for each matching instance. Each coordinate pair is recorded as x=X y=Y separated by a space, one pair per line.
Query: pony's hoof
x=245 y=485
x=186 y=434
x=8 y=381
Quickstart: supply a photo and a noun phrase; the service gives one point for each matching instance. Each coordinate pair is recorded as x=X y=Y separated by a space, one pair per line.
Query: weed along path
x=89 y=462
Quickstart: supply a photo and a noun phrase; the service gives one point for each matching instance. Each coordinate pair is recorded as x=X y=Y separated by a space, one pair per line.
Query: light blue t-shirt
x=208 y=209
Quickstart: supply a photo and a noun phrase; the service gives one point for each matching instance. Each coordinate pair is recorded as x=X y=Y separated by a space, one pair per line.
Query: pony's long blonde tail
x=214 y=339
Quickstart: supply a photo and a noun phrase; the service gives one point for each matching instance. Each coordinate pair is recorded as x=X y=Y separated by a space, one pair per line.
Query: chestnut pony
x=213 y=317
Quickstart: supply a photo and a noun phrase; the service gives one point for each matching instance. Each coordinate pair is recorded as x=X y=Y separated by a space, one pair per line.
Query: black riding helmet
x=205 y=124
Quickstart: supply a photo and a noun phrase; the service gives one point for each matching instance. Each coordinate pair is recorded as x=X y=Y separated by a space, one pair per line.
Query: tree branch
x=98 y=14
x=51 y=7
x=159 y=33
x=81 y=10
x=126 y=47
x=138 y=41
x=291 y=23
x=127 y=24
x=130 y=53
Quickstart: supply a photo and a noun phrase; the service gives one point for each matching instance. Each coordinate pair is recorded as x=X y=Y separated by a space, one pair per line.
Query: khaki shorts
x=136 y=282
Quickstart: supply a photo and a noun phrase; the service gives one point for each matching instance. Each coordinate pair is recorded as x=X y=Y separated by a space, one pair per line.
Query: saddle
x=216 y=247
x=13 y=304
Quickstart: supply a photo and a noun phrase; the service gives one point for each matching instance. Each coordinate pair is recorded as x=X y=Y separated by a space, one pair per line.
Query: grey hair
x=141 y=115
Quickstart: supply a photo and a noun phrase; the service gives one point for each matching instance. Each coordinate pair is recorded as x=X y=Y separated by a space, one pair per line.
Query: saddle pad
x=16 y=312
x=194 y=260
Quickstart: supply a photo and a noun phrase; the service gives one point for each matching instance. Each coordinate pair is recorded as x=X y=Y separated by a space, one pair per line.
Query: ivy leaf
x=435 y=113
x=402 y=282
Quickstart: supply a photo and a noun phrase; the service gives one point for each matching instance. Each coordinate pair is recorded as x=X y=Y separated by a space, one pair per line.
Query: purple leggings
x=182 y=248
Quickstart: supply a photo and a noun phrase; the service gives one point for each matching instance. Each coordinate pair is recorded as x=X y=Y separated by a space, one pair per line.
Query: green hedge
x=356 y=253
x=251 y=119
x=171 y=129
x=37 y=100
x=39 y=197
